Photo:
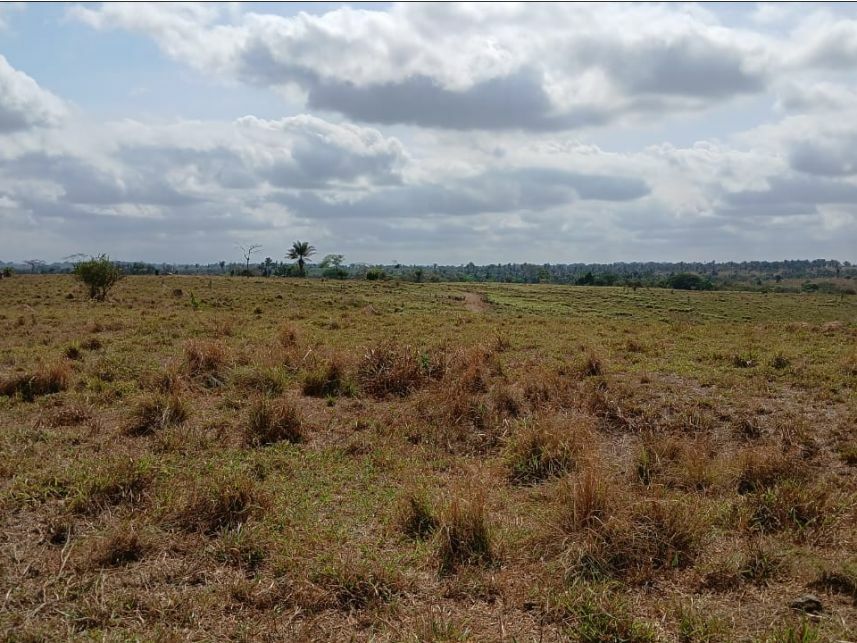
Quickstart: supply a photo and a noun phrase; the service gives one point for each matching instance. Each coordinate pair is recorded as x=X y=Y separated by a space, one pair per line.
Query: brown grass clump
x=209 y=504
x=352 y=586
x=762 y=467
x=591 y=365
x=806 y=510
x=464 y=536
x=123 y=481
x=204 y=358
x=585 y=500
x=154 y=413
x=46 y=380
x=390 y=369
x=273 y=421
x=546 y=447
x=415 y=516
x=288 y=336
x=120 y=546
x=329 y=380
x=640 y=539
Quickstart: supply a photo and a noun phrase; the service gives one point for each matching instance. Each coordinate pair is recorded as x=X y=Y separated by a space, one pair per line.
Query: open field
x=269 y=459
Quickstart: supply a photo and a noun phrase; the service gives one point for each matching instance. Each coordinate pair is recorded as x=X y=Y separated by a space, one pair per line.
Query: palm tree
x=301 y=250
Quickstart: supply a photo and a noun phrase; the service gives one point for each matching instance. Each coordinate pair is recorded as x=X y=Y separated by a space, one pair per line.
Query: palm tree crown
x=301 y=250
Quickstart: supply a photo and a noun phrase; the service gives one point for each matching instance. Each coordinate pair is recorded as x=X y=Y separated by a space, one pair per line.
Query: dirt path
x=475 y=303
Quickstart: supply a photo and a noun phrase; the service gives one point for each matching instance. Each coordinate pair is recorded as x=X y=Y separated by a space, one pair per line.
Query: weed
x=595 y=615
x=120 y=546
x=243 y=547
x=357 y=585
x=116 y=482
x=841 y=579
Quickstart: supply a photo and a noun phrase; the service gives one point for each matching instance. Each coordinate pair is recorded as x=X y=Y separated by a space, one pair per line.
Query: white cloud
x=23 y=104
x=538 y=67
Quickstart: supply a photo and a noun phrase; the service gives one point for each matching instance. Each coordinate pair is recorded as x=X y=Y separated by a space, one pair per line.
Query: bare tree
x=35 y=263
x=247 y=252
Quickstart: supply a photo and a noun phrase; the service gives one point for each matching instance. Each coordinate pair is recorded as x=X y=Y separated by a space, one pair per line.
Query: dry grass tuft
x=288 y=336
x=329 y=380
x=209 y=504
x=156 y=412
x=273 y=421
x=638 y=540
x=204 y=358
x=117 y=482
x=591 y=365
x=120 y=546
x=390 y=369
x=44 y=381
x=464 y=536
x=415 y=516
x=545 y=447
x=585 y=501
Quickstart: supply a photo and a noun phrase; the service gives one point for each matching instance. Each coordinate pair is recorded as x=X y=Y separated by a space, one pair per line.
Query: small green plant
x=99 y=275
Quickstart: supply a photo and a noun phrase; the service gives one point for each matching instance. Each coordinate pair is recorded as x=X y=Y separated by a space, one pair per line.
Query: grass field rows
x=283 y=459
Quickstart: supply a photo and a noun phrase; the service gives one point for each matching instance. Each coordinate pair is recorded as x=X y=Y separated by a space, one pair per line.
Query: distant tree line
x=776 y=276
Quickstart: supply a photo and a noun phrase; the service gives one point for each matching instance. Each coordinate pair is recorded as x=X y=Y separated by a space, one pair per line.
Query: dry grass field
x=274 y=459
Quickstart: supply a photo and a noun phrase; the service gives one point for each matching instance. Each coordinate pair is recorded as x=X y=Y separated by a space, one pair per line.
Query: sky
x=436 y=133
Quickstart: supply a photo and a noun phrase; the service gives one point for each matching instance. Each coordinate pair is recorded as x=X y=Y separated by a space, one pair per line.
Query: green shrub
x=99 y=275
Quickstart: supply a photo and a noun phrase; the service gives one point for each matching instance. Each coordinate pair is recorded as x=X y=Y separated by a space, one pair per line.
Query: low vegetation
x=244 y=458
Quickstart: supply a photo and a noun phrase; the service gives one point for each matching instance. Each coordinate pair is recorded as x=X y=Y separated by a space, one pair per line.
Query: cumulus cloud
x=456 y=66
x=23 y=104
x=452 y=133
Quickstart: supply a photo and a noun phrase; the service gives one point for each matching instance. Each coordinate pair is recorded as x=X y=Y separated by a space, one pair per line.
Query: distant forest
x=820 y=275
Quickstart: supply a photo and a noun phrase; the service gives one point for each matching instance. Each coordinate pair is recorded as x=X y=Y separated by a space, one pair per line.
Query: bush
x=99 y=274
x=689 y=281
